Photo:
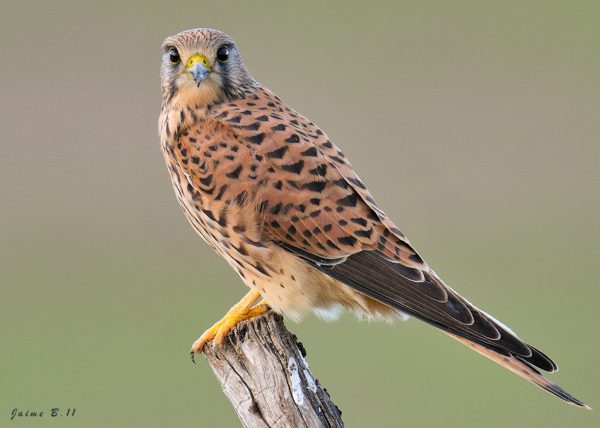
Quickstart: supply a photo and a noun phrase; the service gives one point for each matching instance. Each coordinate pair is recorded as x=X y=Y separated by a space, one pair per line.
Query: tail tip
x=564 y=395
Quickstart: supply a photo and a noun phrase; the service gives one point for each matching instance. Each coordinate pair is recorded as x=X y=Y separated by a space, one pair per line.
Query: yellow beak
x=198 y=68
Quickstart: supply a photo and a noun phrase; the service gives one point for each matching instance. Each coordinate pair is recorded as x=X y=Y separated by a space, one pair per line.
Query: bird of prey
x=272 y=194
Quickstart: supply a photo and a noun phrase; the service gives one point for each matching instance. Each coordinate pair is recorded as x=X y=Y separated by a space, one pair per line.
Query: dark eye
x=174 y=56
x=223 y=53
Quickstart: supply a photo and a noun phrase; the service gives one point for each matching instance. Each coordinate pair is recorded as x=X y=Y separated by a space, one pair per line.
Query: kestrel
x=270 y=192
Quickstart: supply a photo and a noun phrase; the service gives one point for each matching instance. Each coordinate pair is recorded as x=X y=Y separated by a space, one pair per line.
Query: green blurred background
x=475 y=124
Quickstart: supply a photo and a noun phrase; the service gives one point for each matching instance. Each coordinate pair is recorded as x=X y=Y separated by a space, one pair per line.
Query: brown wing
x=315 y=205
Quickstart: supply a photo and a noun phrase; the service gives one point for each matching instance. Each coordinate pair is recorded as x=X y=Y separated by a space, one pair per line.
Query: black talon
x=192 y=356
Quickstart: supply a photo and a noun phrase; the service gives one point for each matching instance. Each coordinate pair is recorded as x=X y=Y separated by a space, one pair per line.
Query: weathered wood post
x=263 y=373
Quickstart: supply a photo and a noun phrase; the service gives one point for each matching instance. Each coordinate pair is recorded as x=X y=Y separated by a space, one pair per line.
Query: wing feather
x=313 y=203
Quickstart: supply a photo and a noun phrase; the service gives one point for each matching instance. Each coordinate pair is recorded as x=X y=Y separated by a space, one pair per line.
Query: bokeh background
x=475 y=124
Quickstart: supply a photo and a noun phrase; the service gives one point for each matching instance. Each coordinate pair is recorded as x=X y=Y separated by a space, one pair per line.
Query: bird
x=270 y=192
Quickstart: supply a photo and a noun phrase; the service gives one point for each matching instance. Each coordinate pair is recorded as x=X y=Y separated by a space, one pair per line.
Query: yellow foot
x=240 y=312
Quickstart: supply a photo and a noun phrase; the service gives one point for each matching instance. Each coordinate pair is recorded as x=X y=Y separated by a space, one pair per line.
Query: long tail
x=521 y=368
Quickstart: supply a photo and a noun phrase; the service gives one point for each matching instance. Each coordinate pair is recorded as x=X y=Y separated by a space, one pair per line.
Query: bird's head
x=202 y=67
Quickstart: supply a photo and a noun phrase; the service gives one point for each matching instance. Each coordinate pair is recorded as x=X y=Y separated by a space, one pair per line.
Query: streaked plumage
x=270 y=192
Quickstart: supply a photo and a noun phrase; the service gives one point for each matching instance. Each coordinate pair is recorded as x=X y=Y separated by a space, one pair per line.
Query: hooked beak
x=198 y=68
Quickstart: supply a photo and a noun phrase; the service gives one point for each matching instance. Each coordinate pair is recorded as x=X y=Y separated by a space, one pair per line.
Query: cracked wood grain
x=263 y=373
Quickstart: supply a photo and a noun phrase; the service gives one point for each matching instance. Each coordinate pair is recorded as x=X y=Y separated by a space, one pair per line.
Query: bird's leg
x=241 y=311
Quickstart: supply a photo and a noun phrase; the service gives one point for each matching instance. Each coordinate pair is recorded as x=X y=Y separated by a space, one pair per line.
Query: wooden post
x=263 y=373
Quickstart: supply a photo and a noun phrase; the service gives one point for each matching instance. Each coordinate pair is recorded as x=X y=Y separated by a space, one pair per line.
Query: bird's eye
x=174 y=56
x=223 y=53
